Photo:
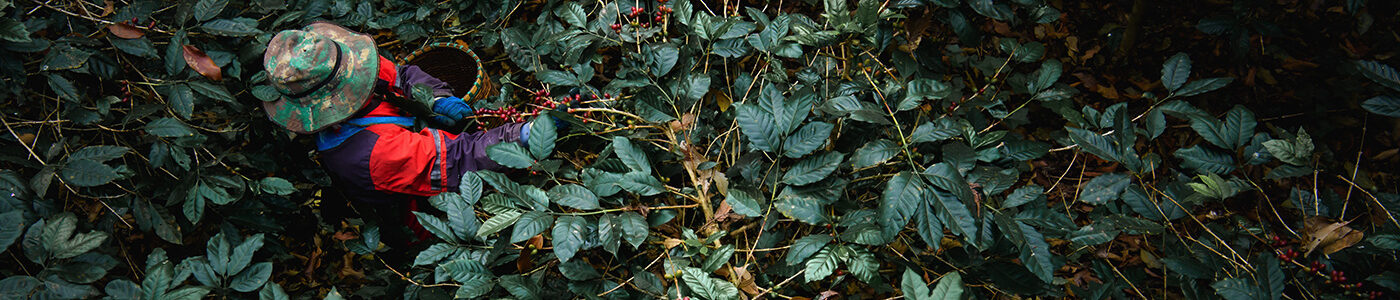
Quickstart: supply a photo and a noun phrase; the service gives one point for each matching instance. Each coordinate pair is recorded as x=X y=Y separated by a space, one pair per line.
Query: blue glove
x=451 y=109
x=559 y=125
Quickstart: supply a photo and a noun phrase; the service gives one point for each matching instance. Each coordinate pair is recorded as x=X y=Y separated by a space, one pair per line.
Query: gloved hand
x=451 y=109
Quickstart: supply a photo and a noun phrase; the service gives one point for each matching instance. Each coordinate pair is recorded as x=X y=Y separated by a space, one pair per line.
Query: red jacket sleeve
x=431 y=161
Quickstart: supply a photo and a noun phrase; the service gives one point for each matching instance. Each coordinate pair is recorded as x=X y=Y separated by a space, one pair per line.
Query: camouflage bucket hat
x=324 y=73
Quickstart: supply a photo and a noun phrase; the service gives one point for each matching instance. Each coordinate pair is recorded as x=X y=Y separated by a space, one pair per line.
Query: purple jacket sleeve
x=467 y=152
x=410 y=75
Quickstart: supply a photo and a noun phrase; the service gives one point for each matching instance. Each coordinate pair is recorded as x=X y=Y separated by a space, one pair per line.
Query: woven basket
x=455 y=64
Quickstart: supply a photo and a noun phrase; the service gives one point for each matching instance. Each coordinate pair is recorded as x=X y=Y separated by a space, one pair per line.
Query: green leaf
x=944 y=176
x=213 y=91
x=630 y=155
x=568 y=236
x=236 y=27
x=1095 y=144
x=1093 y=234
x=1175 y=71
x=708 y=287
x=929 y=132
x=333 y=295
x=813 y=169
x=208 y=9
x=242 y=255
x=12 y=30
x=913 y=286
x=273 y=291
x=1045 y=77
x=1380 y=73
x=61 y=240
x=575 y=196
x=950 y=287
x=718 y=258
x=1237 y=289
x=641 y=183
x=1272 y=280
x=510 y=155
x=12 y=226
x=874 y=152
x=745 y=203
x=955 y=213
x=87 y=173
x=820 y=265
x=1215 y=187
x=433 y=254
x=663 y=58
x=634 y=228
x=990 y=9
x=864 y=265
x=807 y=139
x=530 y=224
x=1202 y=86
x=187 y=293
x=557 y=78
x=168 y=127
x=805 y=209
x=916 y=91
x=1023 y=195
x=435 y=225
x=731 y=48
x=497 y=223
x=542 y=136
x=470 y=187
x=865 y=234
x=1383 y=105
x=141 y=47
x=276 y=186
x=101 y=153
x=63 y=88
x=1156 y=123
x=1104 y=188
x=1296 y=151
x=193 y=207
x=806 y=246
x=1036 y=253
x=572 y=13
x=759 y=126
x=903 y=193
x=252 y=278
x=1205 y=160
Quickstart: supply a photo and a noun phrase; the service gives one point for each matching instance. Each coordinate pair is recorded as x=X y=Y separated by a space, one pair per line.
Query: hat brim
x=352 y=85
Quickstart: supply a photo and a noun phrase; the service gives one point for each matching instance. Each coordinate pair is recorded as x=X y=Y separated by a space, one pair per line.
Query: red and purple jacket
x=374 y=157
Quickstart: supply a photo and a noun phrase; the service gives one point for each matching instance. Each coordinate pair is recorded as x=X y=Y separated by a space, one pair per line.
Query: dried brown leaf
x=745 y=281
x=109 y=7
x=1328 y=235
x=201 y=63
x=125 y=31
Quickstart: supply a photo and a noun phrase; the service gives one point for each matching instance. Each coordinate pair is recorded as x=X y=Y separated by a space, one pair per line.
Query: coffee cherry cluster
x=637 y=17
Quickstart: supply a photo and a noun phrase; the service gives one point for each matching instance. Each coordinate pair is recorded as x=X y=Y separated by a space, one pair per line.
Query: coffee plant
x=925 y=149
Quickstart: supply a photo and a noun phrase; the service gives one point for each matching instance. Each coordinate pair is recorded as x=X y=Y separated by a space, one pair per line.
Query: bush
x=930 y=149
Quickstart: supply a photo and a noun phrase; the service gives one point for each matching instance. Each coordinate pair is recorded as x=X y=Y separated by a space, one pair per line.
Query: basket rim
x=459 y=45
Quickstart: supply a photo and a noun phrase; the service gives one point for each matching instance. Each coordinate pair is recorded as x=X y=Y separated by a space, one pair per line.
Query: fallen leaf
x=201 y=63
x=671 y=243
x=722 y=100
x=745 y=281
x=347 y=269
x=126 y=31
x=109 y=7
x=1330 y=236
x=525 y=262
x=346 y=236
